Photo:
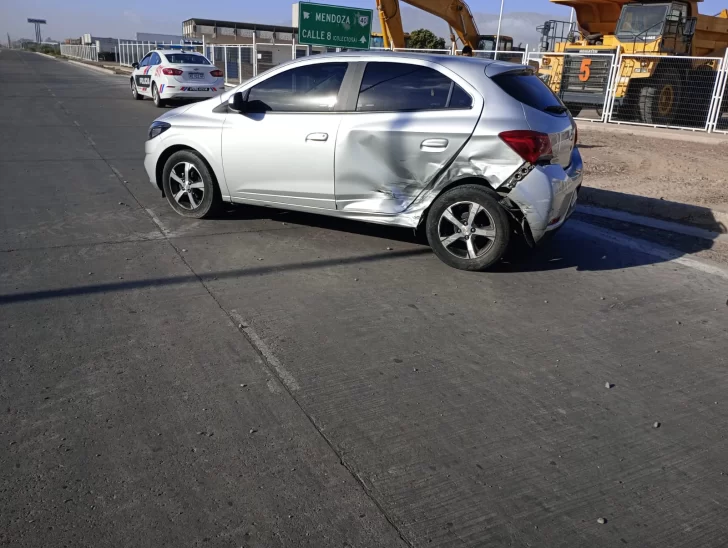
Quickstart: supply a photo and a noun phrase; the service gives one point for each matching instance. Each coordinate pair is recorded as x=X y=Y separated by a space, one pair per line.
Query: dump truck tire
x=659 y=99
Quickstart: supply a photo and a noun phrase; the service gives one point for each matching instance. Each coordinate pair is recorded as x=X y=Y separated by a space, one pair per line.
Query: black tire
x=135 y=92
x=158 y=101
x=482 y=251
x=659 y=99
x=200 y=197
x=575 y=110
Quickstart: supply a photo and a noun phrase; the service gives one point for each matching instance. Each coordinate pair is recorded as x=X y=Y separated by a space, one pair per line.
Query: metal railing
x=667 y=91
x=84 y=53
x=581 y=80
x=132 y=51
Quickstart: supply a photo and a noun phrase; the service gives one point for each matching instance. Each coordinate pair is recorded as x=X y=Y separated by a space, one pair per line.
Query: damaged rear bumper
x=547 y=195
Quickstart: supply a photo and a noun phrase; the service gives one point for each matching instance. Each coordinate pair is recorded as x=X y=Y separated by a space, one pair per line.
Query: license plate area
x=196 y=75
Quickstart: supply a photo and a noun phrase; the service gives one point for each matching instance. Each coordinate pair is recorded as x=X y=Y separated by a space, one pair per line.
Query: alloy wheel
x=466 y=230
x=187 y=185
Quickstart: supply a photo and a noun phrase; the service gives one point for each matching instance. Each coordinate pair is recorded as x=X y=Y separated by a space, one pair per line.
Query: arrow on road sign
x=363 y=40
x=306 y=14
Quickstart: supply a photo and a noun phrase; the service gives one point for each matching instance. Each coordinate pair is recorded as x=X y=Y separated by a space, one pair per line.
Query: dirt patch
x=678 y=171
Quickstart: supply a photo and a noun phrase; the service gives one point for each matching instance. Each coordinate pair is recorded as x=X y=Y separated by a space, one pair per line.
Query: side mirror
x=236 y=103
x=135 y=66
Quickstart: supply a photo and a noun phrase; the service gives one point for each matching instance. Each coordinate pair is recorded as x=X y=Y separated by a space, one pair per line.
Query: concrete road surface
x=277 y=379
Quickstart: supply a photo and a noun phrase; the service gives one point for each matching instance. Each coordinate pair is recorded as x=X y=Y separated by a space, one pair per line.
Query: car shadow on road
x=579 y=245
x=583 y=249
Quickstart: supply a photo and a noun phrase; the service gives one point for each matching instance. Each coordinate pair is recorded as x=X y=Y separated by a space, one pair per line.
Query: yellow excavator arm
x=455 y=13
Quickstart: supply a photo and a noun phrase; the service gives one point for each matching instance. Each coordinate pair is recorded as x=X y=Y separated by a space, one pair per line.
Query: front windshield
x=642 y=21
x=487 y=44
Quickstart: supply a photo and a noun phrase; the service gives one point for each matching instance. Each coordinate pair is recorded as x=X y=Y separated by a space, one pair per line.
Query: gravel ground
x=679 y=171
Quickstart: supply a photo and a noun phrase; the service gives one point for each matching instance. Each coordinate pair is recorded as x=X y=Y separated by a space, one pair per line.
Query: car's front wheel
x=189 y=186
x=135 y=92
x=158 y=101
x=467 y=228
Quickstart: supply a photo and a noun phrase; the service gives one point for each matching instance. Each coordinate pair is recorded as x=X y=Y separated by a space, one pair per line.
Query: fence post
x=225 y=58
x=718 y=93
x=240 y=65
x=612 y=89
x=255 y=54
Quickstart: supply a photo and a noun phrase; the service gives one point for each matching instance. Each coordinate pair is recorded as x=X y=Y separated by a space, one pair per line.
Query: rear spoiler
x=494 y=69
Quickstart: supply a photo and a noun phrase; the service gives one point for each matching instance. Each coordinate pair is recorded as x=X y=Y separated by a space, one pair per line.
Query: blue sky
x=122 y=19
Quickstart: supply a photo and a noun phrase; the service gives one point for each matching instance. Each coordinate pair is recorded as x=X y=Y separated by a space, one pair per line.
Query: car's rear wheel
x=135 y=92
x=158 y=101
x=467 y=228
x=189 y=185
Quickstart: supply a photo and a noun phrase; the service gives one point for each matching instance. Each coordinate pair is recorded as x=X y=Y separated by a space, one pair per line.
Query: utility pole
x=37 y=23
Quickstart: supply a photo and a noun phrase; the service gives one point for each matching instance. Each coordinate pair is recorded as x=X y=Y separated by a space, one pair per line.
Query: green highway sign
x=334 y=26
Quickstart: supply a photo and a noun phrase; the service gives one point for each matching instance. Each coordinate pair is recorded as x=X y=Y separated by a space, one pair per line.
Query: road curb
x=46 y=55
x=704 y=218
x=91 y=67
x=702 y=137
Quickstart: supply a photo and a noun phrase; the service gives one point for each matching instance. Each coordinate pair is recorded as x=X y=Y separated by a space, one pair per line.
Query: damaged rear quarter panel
x=485 y=157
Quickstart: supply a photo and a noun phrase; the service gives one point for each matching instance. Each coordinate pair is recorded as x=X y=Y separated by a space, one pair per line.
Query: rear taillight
x=532 y=146
x=217 y=73
x=172 y=71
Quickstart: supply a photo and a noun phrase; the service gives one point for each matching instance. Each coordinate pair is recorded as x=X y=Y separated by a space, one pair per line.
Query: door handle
x=317 y=137
x=434 y=145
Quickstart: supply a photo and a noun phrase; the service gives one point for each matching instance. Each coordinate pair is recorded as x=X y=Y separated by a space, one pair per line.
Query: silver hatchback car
x=473 y=151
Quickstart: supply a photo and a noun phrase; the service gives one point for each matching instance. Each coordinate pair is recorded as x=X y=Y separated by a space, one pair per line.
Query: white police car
x=169 y=74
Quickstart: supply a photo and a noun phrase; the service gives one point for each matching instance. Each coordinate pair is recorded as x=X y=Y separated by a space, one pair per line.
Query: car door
x=281 y=150
x=410 y=121
x=154 y=69
x=142 y=77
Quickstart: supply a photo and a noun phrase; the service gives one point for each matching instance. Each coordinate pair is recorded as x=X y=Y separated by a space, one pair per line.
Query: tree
x=425 y=39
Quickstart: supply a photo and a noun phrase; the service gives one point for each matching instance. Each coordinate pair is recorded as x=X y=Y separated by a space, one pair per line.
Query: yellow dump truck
x=649 y=89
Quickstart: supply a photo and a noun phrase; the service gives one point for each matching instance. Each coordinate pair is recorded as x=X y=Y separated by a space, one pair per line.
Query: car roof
x=468 y=67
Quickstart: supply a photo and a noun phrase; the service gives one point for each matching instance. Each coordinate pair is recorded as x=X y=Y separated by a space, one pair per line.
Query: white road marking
x=117 y=173
x=283 y=374
x=642 y=246
x=159 y=223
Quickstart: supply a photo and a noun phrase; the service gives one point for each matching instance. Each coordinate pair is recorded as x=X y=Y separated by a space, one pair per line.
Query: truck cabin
x=642 y=23
x=487 y=43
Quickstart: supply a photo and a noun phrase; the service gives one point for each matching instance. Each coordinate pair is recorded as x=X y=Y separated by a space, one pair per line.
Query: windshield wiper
x=556 y=109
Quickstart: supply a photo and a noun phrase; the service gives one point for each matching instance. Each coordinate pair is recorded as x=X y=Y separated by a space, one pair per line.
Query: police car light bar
x=175 y=47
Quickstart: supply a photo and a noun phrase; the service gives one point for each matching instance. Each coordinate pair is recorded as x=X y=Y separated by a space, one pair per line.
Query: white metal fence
x=84 y=53
x=132 y=51
x=242 y=62
x=676 y=92
x=581 y=80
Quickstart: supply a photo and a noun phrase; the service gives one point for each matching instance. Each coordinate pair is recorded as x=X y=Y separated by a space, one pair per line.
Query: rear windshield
x=526 y=87
x=186 y=59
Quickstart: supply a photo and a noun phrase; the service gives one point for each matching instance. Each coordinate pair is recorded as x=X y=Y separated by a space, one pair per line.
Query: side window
x=397 y=87
x=312 y=88
x=155 y=60
x=144 y=62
